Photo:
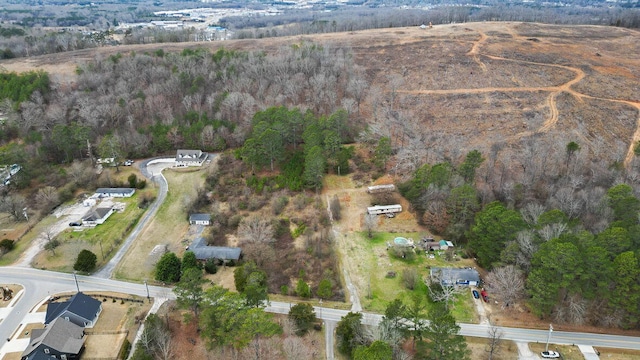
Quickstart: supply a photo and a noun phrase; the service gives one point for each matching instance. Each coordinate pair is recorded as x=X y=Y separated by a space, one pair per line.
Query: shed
x=444 y=244
x=80 y=309
x=200 y=219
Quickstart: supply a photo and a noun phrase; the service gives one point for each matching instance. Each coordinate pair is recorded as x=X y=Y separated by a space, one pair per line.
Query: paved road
x=155 y=174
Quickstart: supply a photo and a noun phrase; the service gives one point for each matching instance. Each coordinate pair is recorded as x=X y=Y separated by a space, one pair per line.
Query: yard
x=169 y=227
x=103 y=240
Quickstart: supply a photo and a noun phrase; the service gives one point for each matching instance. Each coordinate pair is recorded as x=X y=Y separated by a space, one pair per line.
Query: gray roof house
x=455 y=276
x=80 y=309
x=190 y=158
x=200 y=219
x=206 y=252
x=97 y=216
x=115 y=192
x=58 y=340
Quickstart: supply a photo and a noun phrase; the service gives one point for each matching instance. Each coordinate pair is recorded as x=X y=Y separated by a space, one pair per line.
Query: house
x=58 y=340
x=205 y=252
x=200 y=219
x=455 y=276
x=97 y=216
x=114 y=192
x=190 y=158
x=80 y=309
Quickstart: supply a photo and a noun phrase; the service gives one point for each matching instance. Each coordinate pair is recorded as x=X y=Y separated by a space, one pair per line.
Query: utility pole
x=546 y=348
x=76 y=279
x=147 y=286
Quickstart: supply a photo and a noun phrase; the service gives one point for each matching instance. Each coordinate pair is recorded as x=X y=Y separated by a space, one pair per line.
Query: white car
x=550 y=355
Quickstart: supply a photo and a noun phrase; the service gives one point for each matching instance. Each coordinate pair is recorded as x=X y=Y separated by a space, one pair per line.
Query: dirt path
x=475 y=50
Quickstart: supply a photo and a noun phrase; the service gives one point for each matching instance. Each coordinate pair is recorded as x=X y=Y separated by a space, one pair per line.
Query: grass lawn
x=24 y=242
x=507 y=350
x=568 y=352
x=381 y=261
x=169 y=227
x=103 y=240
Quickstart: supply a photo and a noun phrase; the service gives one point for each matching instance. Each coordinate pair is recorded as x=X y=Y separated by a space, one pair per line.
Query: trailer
x=381 y=188
x=384 y=209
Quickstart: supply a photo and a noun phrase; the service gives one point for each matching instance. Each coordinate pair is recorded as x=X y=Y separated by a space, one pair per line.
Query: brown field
x=467 y=86
x=507 y=350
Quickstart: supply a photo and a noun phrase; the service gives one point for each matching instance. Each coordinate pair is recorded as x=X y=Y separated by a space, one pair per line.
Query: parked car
x=550 y=354
x=75 y=224
x=485 y=296
x=128 y=163
x=476 y=294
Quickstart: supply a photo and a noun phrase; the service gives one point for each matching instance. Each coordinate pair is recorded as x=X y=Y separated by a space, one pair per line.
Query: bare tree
x=261 y=349
x=410 y=278
x=295 y=348
x=442 y=287
x=507 y=283
x=370 y=224
x=253 y=229
x=15 y=205
x=51 y=242
x=47 y=198
x=494 y=342
x=528 y=247
x=531 y=212
x=552 y=231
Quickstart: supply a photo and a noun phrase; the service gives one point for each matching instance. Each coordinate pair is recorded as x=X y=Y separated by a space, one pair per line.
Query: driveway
x=524 y=353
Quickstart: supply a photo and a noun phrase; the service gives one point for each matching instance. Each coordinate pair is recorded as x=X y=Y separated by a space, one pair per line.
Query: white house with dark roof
x=190 y=158
x=200 y=219
x=60 y=339
x=114 y=192
x=455 y=276
x=80 y=309
x=205 y=252
x=97 y=216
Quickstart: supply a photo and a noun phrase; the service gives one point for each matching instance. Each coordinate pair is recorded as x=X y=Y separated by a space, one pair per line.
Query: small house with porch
x=190 y=158
x=200 y=219
x=97 y=216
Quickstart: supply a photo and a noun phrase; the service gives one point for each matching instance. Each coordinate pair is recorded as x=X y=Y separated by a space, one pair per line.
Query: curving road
x=152 y=169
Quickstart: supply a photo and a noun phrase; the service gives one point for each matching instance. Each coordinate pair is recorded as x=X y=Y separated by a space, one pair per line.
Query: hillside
x=453 y=88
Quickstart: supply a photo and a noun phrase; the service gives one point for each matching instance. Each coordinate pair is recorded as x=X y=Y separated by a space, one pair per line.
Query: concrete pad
x=16 y=345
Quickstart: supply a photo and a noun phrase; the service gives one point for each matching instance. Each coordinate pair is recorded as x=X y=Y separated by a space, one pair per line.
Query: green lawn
x=103 y=240
x=385 y=289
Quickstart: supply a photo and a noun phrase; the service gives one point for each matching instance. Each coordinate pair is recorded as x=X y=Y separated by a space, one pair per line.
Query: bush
x=6 y=245
x=302 y=289
x=279 y=204
x=210 y=266
x=86 y=261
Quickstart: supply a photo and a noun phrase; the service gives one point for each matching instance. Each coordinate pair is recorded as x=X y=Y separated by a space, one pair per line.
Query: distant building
x=114 y=192
x=80 y=309
x=200 y=219
x=190 y=158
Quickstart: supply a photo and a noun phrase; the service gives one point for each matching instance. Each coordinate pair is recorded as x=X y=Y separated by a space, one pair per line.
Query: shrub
x=210 y=266
x=279 y=204
x=284 y=290
x=86 y=261
x=6 y=245
x=302 y=289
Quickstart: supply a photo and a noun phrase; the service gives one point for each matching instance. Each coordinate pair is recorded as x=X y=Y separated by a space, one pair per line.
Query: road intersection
x=39 y=285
